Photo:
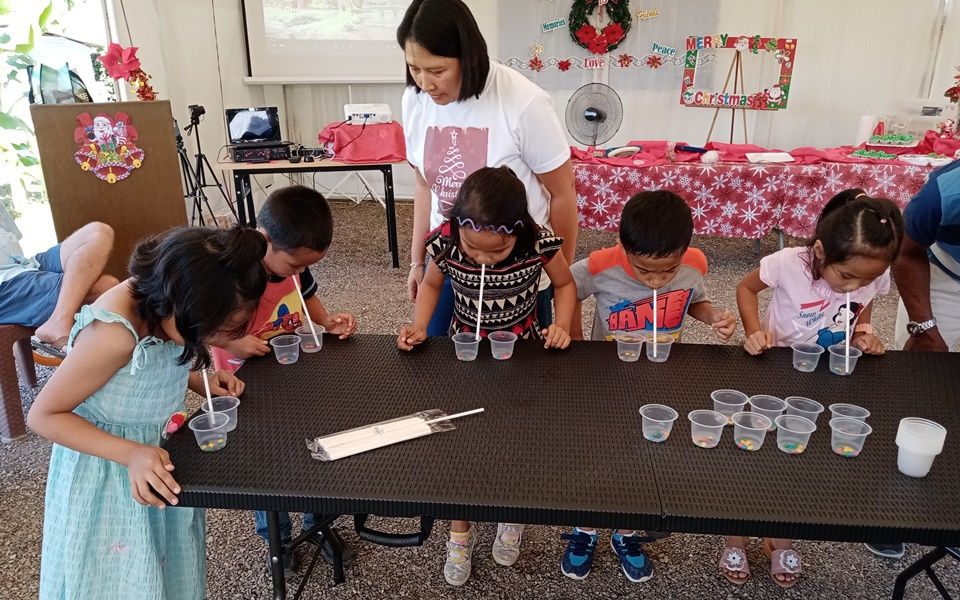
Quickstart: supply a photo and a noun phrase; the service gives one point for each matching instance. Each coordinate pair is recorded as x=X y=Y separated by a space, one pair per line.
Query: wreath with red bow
x=599 y=41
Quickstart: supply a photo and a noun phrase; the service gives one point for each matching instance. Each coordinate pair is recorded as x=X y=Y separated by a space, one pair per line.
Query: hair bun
x=242 y=247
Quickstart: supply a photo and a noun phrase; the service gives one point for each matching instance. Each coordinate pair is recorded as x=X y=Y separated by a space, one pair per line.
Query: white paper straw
x=846 y=366
x=306 y=313
x=206 y=387
x=465 y=413
x=654 y=323
x=483 y=270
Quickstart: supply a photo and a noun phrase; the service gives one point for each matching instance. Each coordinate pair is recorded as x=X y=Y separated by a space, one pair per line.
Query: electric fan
x=594 y=114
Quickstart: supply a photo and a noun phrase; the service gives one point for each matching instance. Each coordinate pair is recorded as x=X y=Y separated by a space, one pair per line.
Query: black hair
x=494 y=197
x=200 y=277
x=297 y=217
x=656 y=223
x=447 y=28
x=855 y=224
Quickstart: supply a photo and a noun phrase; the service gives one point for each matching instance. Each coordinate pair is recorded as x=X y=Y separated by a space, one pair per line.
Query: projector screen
x=331 y=41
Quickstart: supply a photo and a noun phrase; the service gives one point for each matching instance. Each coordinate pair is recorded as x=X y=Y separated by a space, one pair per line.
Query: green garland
x=617 y=10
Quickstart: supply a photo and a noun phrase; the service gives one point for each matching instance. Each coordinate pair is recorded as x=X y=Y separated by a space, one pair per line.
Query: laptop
x=254 y=127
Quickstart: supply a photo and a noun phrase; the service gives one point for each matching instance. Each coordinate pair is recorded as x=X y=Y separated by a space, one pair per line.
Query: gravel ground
x=356 y=277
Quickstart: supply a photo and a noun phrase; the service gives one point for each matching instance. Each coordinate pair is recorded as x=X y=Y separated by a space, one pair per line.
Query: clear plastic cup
x=728 y=403
x=793 y=433
x=848 y=436
x=660 y=351
x=769 y=406
x=467 y=345
x=919 y=442
x=657 y=421
x=838 y=359
x=501 y=344
x=806 y=356
x=848 y=411
x=628 y=347
x=706 y=427
x=803 y=407
x=286 y=348
x=307 y=343
x=210 y=430
x=227 y=405
x=749 y=429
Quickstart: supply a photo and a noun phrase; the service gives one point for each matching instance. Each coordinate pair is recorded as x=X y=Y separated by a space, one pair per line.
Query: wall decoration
x=644 y=15
x=107 y=146
x=654 y=62
x=553 y=25
x=599 y=25
x=625 y=60
x=595 y=62
x=122 y=63
x=665 y=50
x=647 y=61
x=773 y=97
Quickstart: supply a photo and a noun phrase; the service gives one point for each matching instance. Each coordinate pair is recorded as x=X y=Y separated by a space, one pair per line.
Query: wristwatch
x=915 y=329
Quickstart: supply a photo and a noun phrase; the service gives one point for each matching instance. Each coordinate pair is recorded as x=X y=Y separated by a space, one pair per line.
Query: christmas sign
x=107 y=146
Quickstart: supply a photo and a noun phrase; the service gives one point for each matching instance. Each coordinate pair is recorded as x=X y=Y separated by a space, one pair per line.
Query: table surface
x=286 y=165
x=560 y=442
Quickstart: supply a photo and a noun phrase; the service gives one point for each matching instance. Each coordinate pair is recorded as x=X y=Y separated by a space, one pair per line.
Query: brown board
x=79 y=153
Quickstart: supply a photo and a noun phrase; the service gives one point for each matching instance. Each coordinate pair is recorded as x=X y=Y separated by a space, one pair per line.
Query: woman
x=460 y=113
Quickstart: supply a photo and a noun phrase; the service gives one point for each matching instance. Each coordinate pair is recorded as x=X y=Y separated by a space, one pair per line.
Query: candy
x=746 y=443
x=656 y=435
x=706 y=441
x=793 y=447
x=845 y=450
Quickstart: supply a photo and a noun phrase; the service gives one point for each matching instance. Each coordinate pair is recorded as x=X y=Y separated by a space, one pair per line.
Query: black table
x=560 y=443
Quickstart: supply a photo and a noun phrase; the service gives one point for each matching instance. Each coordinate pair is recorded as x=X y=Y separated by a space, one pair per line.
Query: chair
x=15 y=351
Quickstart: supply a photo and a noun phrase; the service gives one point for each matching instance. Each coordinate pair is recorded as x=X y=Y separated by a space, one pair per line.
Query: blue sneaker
x=578 y=557
x=636 y=565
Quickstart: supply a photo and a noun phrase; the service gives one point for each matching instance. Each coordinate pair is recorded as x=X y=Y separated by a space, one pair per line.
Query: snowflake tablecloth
x=740 y=200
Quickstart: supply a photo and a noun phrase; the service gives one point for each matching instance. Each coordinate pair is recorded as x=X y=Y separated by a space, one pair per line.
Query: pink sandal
x=784 y=562
x=734 y=560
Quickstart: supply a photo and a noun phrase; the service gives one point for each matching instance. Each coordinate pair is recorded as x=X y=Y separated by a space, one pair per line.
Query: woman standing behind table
x=461 y=112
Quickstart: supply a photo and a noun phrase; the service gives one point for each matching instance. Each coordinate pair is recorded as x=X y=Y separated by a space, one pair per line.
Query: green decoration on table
x=599 y=41
x=892 y=139
x=877 y=154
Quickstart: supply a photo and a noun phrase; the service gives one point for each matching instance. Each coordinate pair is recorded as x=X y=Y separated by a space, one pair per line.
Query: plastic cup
x=307 y=343
x=849 y=411
x=803 y=407
x=769 y=406
x=628 y=347
x=706 y=427
x=806 y=356
x=793 y=433
x=227 y=405
x=919 y=442
x=848 y=436
x=286 y=348
x=749 y=429
x=657 y=421
x=661 y=351
x=838 y=359
x=501 y=344
x=466 y=345
x=728 y=403
x=210 y=430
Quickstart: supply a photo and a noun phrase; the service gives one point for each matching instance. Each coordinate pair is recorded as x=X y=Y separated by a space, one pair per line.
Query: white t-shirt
x=512 y=123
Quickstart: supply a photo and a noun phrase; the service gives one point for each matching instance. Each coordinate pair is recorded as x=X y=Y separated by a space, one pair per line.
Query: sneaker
x=578 y=557
x=635 y=563
x=459 y=559
x=887 y=550
x=349 y=554
x=506 y=548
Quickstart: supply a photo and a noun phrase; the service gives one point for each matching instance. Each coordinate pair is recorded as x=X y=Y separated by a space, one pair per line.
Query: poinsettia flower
x=119 y=61
x=624 y=60
x=536 y=64
x=654 y=61
x=598 y=45
x=563 y=65
x=586 y=34
x=613 y=32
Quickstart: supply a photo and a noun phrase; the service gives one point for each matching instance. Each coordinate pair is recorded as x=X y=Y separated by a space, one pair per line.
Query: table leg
x=276 y=551
x=391 y=210
x=243 y=194
x=923 y=564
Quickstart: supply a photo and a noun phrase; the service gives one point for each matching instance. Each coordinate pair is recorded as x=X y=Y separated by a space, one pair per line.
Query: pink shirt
x=803 y=310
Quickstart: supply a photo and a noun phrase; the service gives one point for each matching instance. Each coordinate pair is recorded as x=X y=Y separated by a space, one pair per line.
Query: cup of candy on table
x=286 y=348
x=806 y=356
x=227 y=405
x=803 y=407
x=501 y=344
x=749 y=430
x=839 y=363
x=769 y=406
x=793 y=433
x=706 y=427
x=210 y=429
x=657 y=421
x=919 y=441
x=728 y=403
x=848 y=411
x=309 y=343
x=848 y=436
x=466 y=345
x=658 y=347
x=628 y=346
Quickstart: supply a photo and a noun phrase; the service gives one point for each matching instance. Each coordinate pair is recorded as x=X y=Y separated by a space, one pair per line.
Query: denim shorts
x=29 y=298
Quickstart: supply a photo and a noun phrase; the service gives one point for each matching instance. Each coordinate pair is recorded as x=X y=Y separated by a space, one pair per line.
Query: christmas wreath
x=599 y=41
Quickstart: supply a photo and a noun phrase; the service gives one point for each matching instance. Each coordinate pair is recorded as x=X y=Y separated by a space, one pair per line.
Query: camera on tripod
x=196 y=111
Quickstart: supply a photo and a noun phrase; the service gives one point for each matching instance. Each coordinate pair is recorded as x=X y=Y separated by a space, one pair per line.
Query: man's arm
x=912 y=274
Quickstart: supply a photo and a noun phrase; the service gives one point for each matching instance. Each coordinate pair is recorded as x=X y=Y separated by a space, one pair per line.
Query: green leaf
x=5 y=7
x=19 y=61
x=12 y=75
x=12 y=122
x=23 y=146
x=4 y=38
x=28 y=161
x=44 y=19
x=27 y=46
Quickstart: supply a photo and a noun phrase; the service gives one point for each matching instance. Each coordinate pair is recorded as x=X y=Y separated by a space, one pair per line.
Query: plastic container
x=706 y=427
x=628 y=347
x=848 y=436
x=728 y=403
x=838 y=359
x=848 y=411
x=210 y=429
x=793 y=433
x=501 y=344
x=466 y=345
x=769 y=406
x=806 y=356
x=803 y=407
x=919 y=442
x=307 y=343
x=286 y=348
x=227 y=405
x=660 y=351
x=657 y=421
x=749 y=430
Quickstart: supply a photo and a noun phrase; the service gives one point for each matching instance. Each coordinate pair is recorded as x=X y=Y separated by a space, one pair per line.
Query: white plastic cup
x=628 y=347
x=769 y=406
x=806 y=356
x=849 y=411
x=307 y=343
x=919 y=442
x=838 y=359
x=749 y=430
x=803 y=407
x=227 y=405
x=467 y=345
x=848 y=436
x=501 y=344
x=657 y=421
x=286 y=348
x=660 y=351
x=210 y=429
x=728 y=403
x=793 y=433
x=706 y=427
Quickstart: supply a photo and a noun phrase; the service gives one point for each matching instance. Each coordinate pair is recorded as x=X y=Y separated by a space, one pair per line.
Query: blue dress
x=98 y=542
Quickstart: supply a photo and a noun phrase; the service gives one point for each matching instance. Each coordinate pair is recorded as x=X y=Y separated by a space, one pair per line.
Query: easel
x=736 y=68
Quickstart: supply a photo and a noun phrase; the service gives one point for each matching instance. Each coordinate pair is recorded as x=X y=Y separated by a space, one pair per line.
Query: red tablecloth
x=740 y=200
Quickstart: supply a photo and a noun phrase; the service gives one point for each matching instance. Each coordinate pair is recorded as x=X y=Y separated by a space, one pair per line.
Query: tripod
x=195 y=176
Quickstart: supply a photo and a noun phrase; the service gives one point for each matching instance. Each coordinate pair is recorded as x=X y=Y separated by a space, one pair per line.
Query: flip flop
x=734 y=560
x=48 y=348
x=783 y=562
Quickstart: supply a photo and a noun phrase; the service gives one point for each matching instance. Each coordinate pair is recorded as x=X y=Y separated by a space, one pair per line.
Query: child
x=106 y=406
x=298 y=225
x=653 y=254
x=857 y=238
x=490 y=226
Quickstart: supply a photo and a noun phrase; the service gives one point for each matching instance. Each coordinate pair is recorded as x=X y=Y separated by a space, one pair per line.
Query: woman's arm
x=421 y=222
x=565 y=301
x=563 y=207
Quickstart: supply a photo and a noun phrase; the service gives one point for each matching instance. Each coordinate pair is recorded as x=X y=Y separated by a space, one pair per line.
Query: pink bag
x=379 y=142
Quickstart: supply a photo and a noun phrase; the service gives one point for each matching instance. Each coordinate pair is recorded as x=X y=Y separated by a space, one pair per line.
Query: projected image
x=333 y=20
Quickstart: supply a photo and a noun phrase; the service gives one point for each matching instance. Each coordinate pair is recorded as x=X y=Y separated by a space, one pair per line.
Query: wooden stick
x=743 y=110
x=726 y=82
